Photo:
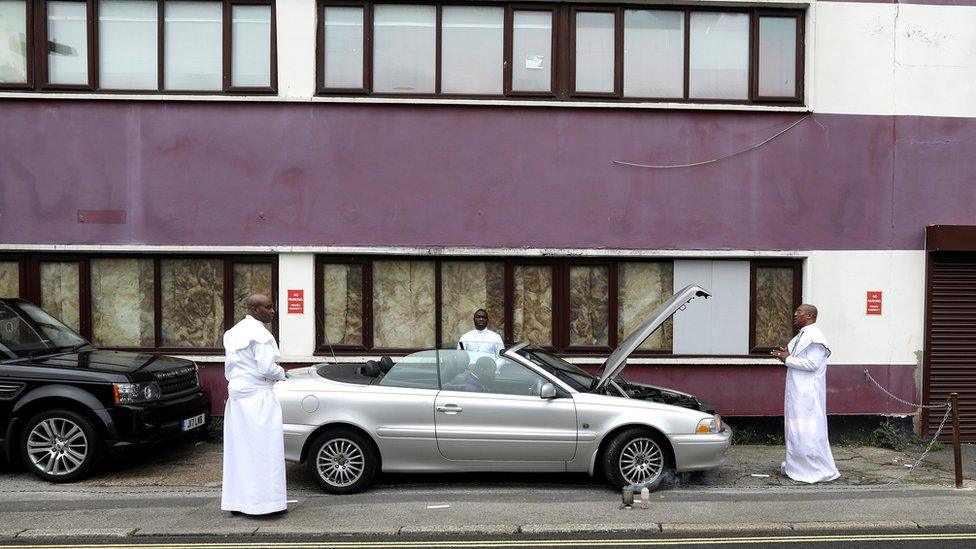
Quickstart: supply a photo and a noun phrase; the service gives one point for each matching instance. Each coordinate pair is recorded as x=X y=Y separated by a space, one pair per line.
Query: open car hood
x=618 y=359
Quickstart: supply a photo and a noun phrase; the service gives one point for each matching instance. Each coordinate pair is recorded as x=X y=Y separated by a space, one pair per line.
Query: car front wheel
x=59 y=445
x=636 y=457
x=342 y=462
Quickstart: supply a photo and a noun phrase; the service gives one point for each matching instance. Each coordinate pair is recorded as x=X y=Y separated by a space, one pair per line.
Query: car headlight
x=133 y=393
x=709 y=425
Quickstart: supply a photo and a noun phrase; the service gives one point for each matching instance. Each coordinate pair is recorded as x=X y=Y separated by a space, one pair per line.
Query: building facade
x=386 y=168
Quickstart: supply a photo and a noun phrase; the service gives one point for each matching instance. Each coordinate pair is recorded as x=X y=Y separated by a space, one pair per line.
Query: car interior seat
x=453 y=364
x=370 y=369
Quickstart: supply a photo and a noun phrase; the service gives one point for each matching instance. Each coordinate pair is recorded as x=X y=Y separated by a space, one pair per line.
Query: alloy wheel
x=340 y=462
x=57 y=446
x=641 y=461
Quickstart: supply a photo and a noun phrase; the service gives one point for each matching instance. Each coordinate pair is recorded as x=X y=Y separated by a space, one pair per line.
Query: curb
x=503 y=529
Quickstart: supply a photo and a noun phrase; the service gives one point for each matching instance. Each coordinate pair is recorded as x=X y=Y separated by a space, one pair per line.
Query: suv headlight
x=134 y=393
x=709 y=425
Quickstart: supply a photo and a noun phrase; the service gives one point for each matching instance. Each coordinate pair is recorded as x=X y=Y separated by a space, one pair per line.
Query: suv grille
x=177 y=381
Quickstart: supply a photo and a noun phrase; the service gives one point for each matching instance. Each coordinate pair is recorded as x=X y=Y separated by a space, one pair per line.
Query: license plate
x=193 y=422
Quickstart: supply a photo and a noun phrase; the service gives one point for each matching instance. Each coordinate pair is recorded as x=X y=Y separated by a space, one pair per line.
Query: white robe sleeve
x=812 y=357
x=264 y=356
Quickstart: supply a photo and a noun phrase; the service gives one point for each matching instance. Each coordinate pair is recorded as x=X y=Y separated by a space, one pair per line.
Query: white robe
x=254 y=449
x=808 y=456
x=482 y=341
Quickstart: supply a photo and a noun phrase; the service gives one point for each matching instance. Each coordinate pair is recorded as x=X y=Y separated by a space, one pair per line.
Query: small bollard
x=645 y=498
x=628 y=498
x=956 y=450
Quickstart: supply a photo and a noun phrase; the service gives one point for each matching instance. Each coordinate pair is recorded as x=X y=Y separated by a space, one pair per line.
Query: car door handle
x=449 y=408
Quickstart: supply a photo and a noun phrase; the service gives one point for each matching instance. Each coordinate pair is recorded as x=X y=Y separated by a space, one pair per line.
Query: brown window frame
x=560 y=305
x=618 y=51
x=367 y=76
x=754 y=61
x=563 y=64
x=797 y=266
x=37 y=66
x=30 y=54
x=30 y=289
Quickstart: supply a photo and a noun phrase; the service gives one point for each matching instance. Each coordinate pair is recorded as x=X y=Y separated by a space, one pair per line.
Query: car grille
x=177 y=381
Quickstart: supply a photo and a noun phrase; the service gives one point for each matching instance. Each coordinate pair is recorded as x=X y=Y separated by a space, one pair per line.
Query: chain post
x=956 y=448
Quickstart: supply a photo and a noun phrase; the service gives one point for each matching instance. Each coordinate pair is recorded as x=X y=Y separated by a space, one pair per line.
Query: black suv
x=64 y=403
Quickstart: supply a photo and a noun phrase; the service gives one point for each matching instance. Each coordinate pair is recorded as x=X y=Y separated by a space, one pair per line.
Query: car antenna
x=325 y=336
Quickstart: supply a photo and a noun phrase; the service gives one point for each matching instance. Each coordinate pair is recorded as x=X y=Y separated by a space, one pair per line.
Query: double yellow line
x=516 y=543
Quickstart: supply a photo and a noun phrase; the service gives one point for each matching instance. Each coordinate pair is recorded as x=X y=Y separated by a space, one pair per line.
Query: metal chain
x=927 y=448
x=905 y=402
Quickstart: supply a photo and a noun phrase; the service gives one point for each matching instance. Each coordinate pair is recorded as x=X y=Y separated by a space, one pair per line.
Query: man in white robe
x=254 y=450
x=808 y=456
x=481 y=340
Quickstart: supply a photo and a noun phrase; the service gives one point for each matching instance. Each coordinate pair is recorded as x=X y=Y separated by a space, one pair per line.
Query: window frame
x=799 y=64
x=797 y=266
x=563 y=65
x=560 y=301
x=38 y=78
x=618 y=51
x=508 y=62
x=30 y=54
x=40 y=47
x=30 y=289
x=320 y=85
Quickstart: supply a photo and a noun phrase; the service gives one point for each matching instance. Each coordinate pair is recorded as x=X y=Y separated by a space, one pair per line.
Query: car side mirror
x=548 y=391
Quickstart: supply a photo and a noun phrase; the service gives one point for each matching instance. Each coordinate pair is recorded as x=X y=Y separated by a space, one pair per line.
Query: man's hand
x=780 y=353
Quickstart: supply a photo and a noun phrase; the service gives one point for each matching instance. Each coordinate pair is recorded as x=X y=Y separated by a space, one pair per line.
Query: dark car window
x=416 y=371
x=574 y=376
x=27 y=329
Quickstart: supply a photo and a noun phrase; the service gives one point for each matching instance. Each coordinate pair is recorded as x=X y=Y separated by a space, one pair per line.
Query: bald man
x=808 y=455
x=254 y=450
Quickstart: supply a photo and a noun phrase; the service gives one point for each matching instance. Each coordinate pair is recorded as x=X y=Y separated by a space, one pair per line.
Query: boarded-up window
x=532 y=310
x=641 y=289
x=250 y=279
x=192 y=302
x=60 y=295
x=589 y=305
x=122 y=294
x=342 y=300
x=9 y=279
x=467 y=286
x=774 y=306
x=403 y=304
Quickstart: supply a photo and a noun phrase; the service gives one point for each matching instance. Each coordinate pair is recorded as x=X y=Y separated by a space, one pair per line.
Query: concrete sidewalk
x=177 y=493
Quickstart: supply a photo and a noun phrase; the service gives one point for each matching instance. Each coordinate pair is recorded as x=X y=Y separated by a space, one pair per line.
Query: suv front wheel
x=59 y=445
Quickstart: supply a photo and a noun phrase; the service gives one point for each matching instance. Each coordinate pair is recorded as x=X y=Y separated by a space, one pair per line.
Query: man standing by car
x=254 y=461
x=481 y=339
x=808 y=456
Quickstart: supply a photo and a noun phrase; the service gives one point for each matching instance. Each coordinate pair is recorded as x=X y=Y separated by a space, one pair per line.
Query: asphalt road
x=833 y=540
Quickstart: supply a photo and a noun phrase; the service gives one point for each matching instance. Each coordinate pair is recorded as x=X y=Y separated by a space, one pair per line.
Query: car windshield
x=26 y=330
x=572 y=375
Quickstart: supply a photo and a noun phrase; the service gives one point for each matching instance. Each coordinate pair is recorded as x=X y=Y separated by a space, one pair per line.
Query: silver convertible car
x=447 y=410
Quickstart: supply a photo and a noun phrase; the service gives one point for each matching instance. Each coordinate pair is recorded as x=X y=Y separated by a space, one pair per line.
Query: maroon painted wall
x=182 y=173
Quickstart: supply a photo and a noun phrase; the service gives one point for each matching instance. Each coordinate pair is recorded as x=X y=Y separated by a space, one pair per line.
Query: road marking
x=442 y=506
x=651 y=542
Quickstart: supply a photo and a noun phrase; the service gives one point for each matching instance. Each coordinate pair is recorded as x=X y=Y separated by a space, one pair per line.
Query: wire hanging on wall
x=713 y=160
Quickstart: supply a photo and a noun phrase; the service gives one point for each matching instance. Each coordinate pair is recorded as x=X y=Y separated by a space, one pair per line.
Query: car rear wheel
x=60 y=445
x=342 y=462
x=636 y=457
